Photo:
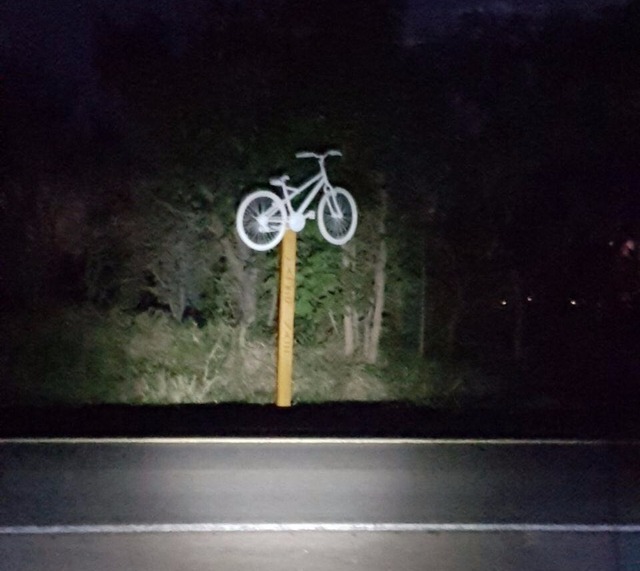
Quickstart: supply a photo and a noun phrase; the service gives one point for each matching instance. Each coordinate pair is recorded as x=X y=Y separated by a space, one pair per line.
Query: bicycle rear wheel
x=337 y=216
x=261 y=220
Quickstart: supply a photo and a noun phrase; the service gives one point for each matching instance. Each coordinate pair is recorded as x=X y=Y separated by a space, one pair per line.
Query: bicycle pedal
x=311 y=215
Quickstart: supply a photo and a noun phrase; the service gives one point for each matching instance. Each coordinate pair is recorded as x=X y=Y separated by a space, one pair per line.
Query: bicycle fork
x=332 y=201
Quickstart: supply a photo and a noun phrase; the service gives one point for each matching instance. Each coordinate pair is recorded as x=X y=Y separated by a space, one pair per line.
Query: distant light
x=529 y=298
x=573 y=302
x=503 y=302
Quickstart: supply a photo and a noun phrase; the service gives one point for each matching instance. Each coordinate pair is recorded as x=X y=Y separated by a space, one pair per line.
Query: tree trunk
x=371 y=350
x=349 y=320
x=454 y=319
x=356 y=328
x=245 y=278
x=349 y=342
x=379 y=279
x=422 y=313
x=178 y=304
x=273 y=308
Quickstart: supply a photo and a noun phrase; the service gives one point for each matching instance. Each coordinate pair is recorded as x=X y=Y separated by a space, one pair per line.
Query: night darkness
x=492 y=147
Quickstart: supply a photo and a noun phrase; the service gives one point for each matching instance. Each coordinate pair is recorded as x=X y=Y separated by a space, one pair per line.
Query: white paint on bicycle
x=263 y=217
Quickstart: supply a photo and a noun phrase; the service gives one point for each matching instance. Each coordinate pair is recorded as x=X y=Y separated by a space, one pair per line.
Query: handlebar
x=310 y=155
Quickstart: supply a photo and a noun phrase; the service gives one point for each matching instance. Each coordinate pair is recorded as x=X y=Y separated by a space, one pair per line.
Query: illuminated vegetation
x=494 y=172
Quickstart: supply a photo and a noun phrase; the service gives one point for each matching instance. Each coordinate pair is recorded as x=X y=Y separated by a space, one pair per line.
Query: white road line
x=315 y=440
x=318 y=527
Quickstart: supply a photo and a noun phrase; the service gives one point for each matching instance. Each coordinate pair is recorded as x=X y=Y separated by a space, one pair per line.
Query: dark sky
x=57 y=32
x=440 y=13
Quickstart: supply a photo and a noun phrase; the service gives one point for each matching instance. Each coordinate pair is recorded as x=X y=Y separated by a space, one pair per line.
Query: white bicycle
x=263 y=216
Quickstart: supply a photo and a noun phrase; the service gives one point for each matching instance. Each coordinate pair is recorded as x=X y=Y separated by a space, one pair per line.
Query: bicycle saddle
x=279 y=180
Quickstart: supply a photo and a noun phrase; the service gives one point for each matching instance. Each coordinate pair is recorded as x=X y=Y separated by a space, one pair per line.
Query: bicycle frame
x=318 y=182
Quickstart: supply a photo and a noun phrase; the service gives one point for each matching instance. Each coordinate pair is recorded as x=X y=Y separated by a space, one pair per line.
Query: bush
x=80 y=355
x=65 y=356
x=181 y=363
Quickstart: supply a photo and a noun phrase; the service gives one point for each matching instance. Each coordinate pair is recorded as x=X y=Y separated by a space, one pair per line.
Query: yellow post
x=286 y=312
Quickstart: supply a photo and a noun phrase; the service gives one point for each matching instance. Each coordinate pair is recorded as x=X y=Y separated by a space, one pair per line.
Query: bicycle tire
x=264 y=233
x=338 y=230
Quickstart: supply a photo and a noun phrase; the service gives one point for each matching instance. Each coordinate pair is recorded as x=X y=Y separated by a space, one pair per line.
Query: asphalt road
x=305 y=504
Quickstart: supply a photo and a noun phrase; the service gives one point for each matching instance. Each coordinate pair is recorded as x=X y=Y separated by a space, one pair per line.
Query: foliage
x=65 y=356
x=318 y=287
x=508 y=153
x=149 y=358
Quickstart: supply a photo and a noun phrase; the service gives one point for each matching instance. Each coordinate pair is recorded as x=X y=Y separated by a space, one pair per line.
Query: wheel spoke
x=337 y=216
x=338 y=221
x=261 y=220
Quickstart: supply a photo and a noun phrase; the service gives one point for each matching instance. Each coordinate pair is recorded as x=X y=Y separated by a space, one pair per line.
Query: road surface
x=319 y=504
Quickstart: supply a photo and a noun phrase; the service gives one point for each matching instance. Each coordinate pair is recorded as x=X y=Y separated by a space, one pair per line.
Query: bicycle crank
x=297 y=221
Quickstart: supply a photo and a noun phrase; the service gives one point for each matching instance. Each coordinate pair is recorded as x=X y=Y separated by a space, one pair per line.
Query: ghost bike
x=263 y=217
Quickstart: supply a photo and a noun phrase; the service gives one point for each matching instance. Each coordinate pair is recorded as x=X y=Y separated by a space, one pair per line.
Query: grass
x=70 y=356
x=79 y=355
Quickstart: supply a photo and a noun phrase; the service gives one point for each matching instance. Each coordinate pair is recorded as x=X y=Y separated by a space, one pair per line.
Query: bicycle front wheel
x=337 y=216
x=261 y=220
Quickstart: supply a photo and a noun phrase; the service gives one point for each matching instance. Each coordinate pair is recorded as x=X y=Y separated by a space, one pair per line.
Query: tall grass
x=79 y=355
